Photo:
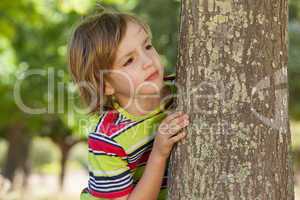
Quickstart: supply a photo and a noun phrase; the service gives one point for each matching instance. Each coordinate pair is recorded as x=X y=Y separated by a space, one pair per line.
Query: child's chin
x=150 y=92
x=152 y=88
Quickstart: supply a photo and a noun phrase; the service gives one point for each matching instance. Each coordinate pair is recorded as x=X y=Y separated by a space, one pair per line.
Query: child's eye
x=148 y=46
x=128 y=61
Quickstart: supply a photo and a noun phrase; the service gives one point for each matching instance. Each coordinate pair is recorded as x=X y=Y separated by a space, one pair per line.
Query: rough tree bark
x=232 y=80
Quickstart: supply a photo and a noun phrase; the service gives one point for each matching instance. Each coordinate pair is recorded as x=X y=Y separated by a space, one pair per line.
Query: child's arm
x=148 y=186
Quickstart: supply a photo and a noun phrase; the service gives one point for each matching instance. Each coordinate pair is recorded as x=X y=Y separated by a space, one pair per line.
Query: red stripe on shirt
x=108 y=125
x=108 y=120
x=112 y=194
x=99 y=145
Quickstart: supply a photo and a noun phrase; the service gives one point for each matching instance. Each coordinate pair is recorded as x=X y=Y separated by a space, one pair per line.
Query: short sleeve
x=109 y=173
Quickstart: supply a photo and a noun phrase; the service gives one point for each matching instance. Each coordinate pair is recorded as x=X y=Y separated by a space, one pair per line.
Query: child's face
x=136 y=59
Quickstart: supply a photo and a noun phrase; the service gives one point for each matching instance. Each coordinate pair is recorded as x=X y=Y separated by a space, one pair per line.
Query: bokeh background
x=43 y=151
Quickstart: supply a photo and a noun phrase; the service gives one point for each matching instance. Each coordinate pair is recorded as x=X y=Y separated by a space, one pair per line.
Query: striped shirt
x=119 y=149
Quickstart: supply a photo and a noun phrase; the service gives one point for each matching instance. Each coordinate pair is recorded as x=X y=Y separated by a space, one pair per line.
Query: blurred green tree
x=33 y=42
x=294 y=59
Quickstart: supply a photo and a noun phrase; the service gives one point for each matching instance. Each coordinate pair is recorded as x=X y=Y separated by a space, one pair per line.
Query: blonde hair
x=93 y=47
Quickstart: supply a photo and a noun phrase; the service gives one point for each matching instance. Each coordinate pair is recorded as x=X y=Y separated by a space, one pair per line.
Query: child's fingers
x=173 y=123
x=172 y=116
x=178 y=137
x=174 y=128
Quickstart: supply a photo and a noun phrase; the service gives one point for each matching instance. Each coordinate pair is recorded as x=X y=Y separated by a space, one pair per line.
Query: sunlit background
x=44 y=155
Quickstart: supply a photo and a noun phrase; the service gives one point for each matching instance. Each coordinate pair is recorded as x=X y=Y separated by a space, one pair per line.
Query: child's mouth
x=153 y=76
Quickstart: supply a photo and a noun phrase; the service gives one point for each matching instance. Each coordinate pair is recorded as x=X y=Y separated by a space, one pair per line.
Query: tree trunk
x=232 y=79
x=65 y=145
x=63 y=164
x=25 y=163
x=17 y=152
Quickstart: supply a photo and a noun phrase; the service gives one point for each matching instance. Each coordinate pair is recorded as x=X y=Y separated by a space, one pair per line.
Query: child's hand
x=168 y=133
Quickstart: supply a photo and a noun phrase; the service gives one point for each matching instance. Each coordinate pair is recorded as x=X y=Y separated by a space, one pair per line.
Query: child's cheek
x=157 y=58
x=136 y=78
x=130 y=79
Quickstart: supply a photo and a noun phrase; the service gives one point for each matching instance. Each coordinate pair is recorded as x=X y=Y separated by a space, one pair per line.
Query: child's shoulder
x=101 y=140
x=111 y=123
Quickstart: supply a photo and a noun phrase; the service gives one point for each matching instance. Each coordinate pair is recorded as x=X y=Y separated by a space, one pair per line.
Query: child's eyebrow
x=129 y=53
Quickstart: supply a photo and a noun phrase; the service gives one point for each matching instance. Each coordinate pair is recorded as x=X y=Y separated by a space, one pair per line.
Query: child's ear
x=108 y=90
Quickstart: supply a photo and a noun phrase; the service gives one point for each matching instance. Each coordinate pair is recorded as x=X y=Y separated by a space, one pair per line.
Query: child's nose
x=147 y=60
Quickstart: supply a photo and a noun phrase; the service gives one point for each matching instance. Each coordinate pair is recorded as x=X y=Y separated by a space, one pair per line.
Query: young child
x=131 y=143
